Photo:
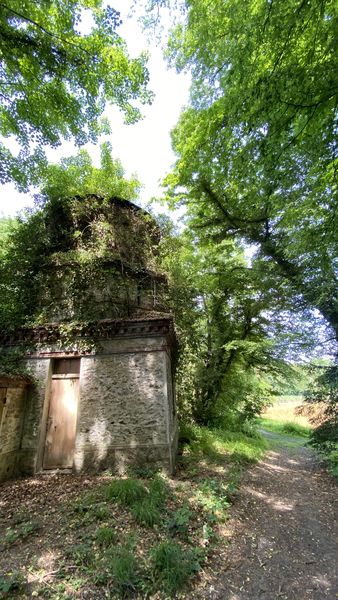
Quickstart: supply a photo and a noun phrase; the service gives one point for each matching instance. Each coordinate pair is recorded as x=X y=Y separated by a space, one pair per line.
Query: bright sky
x=143 y=148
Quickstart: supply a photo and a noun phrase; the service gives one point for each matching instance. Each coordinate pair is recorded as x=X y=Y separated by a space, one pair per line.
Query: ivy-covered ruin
x=96 y=339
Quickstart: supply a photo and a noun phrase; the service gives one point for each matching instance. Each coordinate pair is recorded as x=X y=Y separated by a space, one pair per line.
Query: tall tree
x=60 y=64
x=232 y=327
x=257 y=149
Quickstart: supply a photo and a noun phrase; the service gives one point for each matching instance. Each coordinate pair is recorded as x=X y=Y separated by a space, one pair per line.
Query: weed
x=145 y=512
x=173 y=566
x=179 y=522
x=123 y=567
x=212 y=496
x=143 y=472
x=90 y=514
x=81 y=554
x=59 y=591
x=332 y=458
x=232 y=491
x=20 y=516
x=21 y=532
x=208 y=533
x=87 y=503
x=158 y=490
x=90 y=498
x=81 y=508
x=11 y=582
x=100 y=513
x=105 y=536
x=126 y=491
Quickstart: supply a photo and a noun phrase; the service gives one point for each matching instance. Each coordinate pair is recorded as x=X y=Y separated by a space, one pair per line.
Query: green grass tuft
x=105 y=536
x=126 y=491
x=173 y=566
x=123 y=567
x=158 y=490
x=146 y=513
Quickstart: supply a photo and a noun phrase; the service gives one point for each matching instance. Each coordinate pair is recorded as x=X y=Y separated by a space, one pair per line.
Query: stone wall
x=125 y=409
x=13 y=398
x=34 y=427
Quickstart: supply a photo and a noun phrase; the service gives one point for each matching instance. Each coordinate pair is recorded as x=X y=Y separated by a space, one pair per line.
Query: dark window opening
x=65 y=366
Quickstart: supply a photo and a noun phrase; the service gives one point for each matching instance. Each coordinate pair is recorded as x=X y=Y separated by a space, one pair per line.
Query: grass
x=284 y=427
x=105 y=536
x=216 y=444
x=124 y=569
x=173 y=566
x=283 y=418
x=146 y=513
x=140 y=536
x=286 y=412
x=126 y=491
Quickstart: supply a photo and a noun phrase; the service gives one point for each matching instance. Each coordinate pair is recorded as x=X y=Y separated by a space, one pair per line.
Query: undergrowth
x=142 y=536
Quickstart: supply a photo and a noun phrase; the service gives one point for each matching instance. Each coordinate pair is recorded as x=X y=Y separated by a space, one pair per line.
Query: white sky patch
x=143 y=148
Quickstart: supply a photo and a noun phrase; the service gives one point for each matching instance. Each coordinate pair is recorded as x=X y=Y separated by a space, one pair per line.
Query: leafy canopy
x=56 y=78
x=257 y=148
x=77 y=176
x=237 y=336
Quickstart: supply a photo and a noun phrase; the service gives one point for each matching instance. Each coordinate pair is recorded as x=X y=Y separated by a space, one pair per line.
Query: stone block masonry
x=125 y=413
x=12 y=409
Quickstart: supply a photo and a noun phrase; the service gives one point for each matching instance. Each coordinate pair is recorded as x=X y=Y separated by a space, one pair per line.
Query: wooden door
x=61 y=425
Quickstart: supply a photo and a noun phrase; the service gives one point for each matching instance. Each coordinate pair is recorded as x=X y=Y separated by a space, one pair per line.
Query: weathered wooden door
x=61 y=425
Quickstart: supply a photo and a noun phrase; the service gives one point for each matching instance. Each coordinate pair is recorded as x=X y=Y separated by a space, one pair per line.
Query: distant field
x=284 y=409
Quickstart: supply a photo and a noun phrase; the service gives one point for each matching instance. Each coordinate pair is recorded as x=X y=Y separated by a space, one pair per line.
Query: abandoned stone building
x=100 y=387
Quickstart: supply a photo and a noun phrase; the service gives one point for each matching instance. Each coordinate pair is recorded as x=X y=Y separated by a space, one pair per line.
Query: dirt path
x=286 y=541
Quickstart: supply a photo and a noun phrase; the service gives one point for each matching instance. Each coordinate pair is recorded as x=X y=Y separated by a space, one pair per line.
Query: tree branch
x=49 y=33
